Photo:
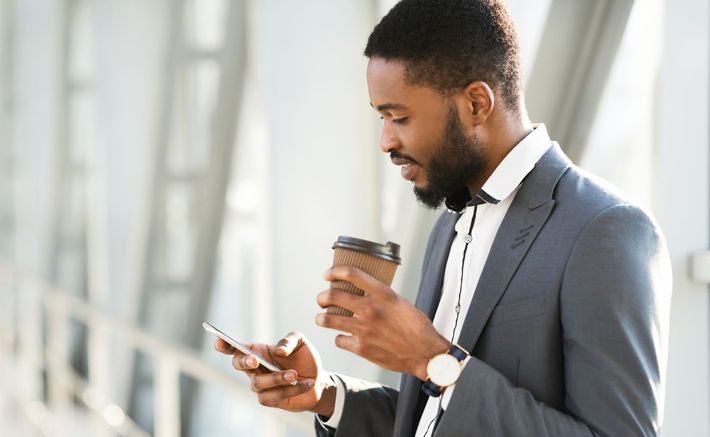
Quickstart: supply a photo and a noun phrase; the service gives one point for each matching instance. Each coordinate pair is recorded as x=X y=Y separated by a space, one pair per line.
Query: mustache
x=397 y=155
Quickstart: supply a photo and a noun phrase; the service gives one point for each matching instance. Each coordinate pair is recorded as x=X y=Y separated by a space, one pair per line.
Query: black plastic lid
x=388 y=251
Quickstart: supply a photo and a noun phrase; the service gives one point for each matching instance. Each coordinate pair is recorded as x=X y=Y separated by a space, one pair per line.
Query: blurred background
x=165 y=162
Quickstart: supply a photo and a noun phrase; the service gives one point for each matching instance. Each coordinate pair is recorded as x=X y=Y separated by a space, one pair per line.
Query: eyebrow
x=388 y=106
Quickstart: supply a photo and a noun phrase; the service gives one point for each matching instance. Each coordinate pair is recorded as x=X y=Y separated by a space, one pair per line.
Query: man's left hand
x=385 y=328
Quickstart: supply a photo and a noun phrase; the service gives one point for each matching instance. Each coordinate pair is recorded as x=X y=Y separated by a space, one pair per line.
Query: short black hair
x=447 y=44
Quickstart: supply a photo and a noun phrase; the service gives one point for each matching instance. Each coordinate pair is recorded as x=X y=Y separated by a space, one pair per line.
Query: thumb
x=289 y=344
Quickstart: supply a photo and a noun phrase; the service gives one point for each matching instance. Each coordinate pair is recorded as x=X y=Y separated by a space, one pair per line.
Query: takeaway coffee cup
x=378 y=260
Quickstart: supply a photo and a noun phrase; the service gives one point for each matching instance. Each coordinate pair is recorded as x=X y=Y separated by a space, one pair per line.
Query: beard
x=457 y=161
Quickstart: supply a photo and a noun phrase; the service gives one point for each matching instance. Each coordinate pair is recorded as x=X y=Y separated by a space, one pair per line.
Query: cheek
x=418 y=146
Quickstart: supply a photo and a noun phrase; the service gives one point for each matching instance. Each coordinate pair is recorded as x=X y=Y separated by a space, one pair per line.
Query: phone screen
x=241 y=347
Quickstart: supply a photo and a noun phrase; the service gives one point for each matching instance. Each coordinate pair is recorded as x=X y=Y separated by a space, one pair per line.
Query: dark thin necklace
x=467 y=240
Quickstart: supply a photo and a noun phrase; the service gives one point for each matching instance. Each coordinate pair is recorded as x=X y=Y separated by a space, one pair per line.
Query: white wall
x=129 y=75
x=37 y=59
x=129 y=71
x=682 y=188
x=311 y=74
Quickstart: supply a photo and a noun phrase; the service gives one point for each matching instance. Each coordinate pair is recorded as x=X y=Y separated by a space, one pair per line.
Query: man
x=544 y=300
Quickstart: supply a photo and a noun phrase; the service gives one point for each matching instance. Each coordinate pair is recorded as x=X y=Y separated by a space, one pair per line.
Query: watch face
x=444 y=370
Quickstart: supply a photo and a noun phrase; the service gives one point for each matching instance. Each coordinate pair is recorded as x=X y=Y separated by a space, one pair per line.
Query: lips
x=409 y=171
x=409 y=167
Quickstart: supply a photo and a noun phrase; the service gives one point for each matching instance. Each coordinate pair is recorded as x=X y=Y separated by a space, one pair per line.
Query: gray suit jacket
x=568 y=325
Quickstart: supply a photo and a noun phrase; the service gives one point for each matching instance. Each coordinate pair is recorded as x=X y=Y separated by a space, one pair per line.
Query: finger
x=289 y=344
x=270 y=380
x=359 y=279
x=340 y=323
x=245 y=362
x=271 y=398
x=224 y=347
x=340 y=298
x=347 y=342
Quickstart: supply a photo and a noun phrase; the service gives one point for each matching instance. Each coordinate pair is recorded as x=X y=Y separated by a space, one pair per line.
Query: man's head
x=441 y=74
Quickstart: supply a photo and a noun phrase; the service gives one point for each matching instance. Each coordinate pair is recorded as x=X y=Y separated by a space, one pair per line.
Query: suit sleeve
x=614 y=306
x=368 y=410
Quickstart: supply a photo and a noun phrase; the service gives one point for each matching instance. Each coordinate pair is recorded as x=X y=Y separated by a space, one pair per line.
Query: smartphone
x=240 y=347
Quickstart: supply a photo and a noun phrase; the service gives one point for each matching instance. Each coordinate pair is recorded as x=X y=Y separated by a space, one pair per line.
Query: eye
x=399 y=121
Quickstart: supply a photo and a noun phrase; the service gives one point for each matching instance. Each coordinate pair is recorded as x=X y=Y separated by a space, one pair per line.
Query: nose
x=388 y=138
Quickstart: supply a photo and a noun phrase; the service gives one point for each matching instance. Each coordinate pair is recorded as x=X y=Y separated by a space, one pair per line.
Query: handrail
x=170 y=361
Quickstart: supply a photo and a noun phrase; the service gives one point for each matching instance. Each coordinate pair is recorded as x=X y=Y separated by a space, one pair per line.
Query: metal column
x=175 y=291
x=67 y=262
x=572 y=66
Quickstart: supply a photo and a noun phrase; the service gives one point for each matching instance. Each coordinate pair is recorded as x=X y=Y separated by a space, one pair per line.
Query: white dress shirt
x=499 y=191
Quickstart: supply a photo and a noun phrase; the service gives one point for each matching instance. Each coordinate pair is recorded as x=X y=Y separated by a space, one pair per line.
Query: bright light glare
x=114 y=415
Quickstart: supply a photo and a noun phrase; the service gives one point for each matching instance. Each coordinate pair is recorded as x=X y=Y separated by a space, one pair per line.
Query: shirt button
x=467 y=238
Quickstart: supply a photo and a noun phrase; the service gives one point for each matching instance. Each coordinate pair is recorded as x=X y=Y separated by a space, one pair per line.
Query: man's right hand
x=314 y=389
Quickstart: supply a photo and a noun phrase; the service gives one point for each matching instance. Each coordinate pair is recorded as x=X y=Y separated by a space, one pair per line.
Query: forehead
x=387 y=84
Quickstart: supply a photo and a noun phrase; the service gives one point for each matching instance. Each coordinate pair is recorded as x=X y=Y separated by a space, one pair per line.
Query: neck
x=501 y=137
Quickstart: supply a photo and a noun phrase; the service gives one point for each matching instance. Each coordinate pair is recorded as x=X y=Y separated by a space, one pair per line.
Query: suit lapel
x=516 y=234
x=521 y=225
x=433 y=277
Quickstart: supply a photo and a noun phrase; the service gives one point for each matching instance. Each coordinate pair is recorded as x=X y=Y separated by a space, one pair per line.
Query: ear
x=480 y=101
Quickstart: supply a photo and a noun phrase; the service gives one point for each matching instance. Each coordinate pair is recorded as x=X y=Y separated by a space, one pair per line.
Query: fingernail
x=310 y=383
x=251 y=362
x=289 y=376
x=319 y=319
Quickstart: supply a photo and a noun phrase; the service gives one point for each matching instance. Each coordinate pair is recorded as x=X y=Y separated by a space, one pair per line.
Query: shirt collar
x=509 y=174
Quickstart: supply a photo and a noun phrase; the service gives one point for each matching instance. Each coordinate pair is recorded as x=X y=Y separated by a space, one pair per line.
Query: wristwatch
x=443 y=370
